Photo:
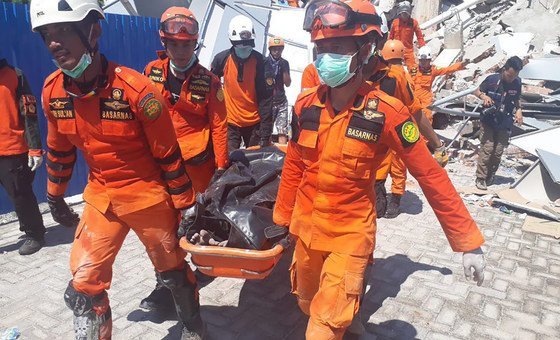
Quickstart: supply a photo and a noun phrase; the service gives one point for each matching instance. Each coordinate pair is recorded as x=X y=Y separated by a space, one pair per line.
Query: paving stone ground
x=418 y=290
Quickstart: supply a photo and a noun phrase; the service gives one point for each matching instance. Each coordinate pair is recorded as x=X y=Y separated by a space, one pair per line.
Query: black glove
x=190 y=220
x=61 y=212
x=217 y=174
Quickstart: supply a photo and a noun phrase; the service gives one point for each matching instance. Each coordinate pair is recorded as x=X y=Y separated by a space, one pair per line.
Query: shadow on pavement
x=266 y=310
x=411 y=203
x=384 y=281
x=54 y=236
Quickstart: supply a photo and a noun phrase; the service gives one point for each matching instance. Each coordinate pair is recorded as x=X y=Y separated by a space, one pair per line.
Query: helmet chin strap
x=86 y=40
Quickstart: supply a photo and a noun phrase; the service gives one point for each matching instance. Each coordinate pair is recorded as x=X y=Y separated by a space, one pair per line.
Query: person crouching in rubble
x=500 y=93
x=326 y=195
x=196 y=103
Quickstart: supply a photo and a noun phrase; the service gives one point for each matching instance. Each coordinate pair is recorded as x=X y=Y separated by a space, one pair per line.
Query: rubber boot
x=380 y=198
x=92 y=314
x=160 y=299
x=393 y=208
x=185 y=297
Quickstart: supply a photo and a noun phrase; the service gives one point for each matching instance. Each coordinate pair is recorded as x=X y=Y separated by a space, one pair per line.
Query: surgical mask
x=243 y=52
x=334 y=69
x=77 y=71
x=183 y=69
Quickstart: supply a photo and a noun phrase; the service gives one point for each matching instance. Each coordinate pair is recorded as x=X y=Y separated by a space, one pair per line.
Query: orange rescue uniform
x=405 y=31
x=327 y=198
x=395 y=81
x=136 y=177
x=199 y=117
x=310 y=77
x=423 y=83
x=19 y=127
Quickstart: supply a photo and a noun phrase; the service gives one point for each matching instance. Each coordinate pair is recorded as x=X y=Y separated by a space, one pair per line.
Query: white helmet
x=241 y=28
x=425 y=53
x=45 y=12
x=404 y=7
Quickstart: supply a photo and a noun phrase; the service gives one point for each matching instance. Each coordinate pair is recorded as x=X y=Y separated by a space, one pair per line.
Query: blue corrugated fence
x=130 y=41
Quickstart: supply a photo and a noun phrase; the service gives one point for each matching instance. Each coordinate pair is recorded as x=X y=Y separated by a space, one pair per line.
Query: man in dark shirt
x=500 y=93
x=277 y=71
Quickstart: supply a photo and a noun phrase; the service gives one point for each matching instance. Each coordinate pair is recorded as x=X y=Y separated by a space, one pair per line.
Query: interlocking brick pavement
x=417 y=287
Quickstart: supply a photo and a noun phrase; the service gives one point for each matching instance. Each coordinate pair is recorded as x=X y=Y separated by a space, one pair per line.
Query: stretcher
x=238 y=208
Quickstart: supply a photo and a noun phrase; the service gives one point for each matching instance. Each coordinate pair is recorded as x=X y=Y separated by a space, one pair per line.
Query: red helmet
x=341 y=18
x=178 y=23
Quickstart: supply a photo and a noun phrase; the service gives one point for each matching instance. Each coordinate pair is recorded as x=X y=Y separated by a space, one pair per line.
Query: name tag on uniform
x=62 y=108
x=199 y=86
x=156 y=75
x=115 y=109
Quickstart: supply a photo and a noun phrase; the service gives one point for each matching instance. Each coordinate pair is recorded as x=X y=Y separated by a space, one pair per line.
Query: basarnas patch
x=366 y=125
x=116 y=110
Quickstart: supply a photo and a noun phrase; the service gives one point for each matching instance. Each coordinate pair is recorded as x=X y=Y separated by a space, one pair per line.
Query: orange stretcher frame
x=233 y=262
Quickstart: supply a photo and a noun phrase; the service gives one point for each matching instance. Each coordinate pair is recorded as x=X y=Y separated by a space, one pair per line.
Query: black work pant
x=17 y=178
x=249 y=135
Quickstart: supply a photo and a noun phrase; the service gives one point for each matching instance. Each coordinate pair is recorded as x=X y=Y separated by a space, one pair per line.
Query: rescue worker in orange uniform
x=326 y=195
x=137 y=180
x=309 y=77
x=248 y=96
x=404 y=28
x=196 y=103
x=424 y=75
x=391 y=77
x=20 y=153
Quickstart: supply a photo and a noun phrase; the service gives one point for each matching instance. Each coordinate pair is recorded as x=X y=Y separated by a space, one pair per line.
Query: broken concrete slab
x=536 y=185
x=541 y=226
x=447 y=57
x=542 y=69
x=551 y=162
x=516 y=44
x=538 y=124
x=548 y=140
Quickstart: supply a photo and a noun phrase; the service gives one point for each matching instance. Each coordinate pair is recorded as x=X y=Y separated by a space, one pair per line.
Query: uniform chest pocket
x=66 y=126
x=308 y=139
x=359 y=147
x=119 y=127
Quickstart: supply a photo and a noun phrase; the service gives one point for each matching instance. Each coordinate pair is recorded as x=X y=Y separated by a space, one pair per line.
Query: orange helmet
x=393 y=49
x=341 y=18
x=178 y=23
x=275 y=41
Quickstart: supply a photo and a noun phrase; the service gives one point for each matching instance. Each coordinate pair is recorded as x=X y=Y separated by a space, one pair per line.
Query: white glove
x=473 y=261
x=34 y=162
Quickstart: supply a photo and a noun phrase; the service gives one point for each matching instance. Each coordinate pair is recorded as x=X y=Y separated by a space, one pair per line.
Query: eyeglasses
x=334 y=13
x=180 y=24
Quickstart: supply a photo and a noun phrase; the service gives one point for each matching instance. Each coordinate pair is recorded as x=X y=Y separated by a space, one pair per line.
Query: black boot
x=160 y=299
x=380 y=198
x=185 y=297
x=393 y=208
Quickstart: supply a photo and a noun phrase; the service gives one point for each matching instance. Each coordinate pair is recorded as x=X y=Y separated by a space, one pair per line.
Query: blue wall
x=130 y=41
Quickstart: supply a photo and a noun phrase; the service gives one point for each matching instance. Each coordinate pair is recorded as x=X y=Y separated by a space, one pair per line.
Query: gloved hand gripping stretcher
x=238 y=214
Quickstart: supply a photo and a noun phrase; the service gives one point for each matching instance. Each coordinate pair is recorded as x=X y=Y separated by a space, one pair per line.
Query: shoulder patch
x=220 y=94
x=408 y=132
x=152 y=108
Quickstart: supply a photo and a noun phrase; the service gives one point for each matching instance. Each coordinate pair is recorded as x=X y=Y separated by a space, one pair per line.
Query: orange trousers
x=201 y=174
x=328 y=287
x=393 y=165
x=99 y=237
x=409 y=59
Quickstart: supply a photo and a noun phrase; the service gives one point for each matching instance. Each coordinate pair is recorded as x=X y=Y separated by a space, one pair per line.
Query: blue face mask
x=183 y=69
x=77 y=71
x=334 y=69
x=243 y=52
